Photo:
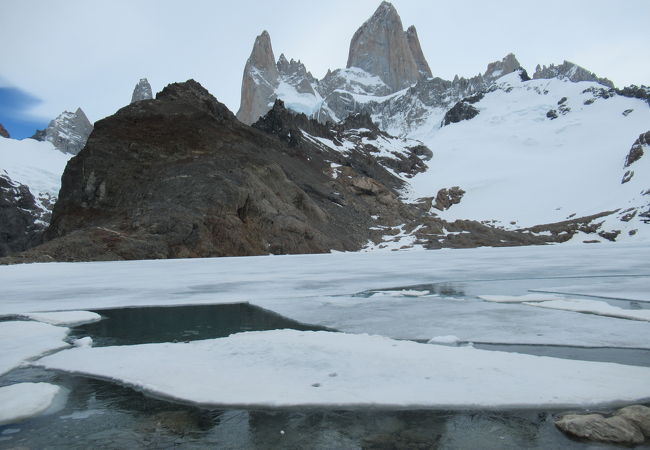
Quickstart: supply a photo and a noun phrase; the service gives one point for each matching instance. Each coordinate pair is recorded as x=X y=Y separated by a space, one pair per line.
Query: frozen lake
x=409 y=296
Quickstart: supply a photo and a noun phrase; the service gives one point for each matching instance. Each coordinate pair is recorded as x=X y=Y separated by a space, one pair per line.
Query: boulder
x=595 y=427
x=639 y=415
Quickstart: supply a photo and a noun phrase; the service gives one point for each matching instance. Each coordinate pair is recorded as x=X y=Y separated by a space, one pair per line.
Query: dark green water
x=130 y=326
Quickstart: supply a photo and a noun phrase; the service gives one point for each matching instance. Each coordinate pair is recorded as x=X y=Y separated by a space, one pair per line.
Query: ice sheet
x=283 y=368
x=320 y=288
x=21 y=340
x=24 y=400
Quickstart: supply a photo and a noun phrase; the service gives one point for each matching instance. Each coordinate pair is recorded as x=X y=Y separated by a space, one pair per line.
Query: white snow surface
x=320 y=289
x=595 y=307
x=284 y=368
x=22 y=340
x=517 y=165
x=24 y=400
x=66 y=318
x=39 y=165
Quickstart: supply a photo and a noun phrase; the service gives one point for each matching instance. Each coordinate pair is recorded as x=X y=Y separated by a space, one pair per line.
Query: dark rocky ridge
x=181 y=177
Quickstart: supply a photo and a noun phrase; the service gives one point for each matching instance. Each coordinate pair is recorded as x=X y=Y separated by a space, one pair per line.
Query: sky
x=78 y=53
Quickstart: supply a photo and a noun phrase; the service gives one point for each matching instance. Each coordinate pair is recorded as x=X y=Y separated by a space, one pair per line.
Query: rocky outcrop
x=636 y=152
x=460 y=111
x=446 y=198
x=21 y=217
x=68 y=132
x=3 y=132
x=569 y=71
x=259 y=81
x=627 y=426
x=142 y=91
x=381 y=47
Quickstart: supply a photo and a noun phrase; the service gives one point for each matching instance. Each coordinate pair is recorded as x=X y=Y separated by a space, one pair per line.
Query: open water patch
x=146 y=325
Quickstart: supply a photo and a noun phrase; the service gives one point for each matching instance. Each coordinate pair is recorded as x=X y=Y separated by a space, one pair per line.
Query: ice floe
x=22 y=340
x=520 y=298
x=24 y=400
x=66 y=318
x=595 y=307
x=284 y=368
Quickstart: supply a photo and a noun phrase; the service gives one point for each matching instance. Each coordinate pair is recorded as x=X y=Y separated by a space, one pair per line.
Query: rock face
x=68 y=132
x=259 y=82
x=636 y=152
x=416 y=51
x=180 y=177
x=142 y=91
x=382 y=48
x=3 y=132
x=446 y=198
x=21 y=218
x=499 y=68
x=459 y=112
x=569 y=71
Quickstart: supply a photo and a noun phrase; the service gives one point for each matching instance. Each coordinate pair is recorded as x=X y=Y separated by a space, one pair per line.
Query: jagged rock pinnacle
x=381 y=47
x=499 y=68
x=416 y=51
x=142 y=91
x=259 y=81
x=3 y=132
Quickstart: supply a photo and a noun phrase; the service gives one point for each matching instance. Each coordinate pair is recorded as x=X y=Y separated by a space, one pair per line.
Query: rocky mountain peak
x=262 y=55
x=500 y=68
x=191 y=93
x=569 y=71
x=416 y=51
x=382 y=48
x=3 y=132
x=259 y=81
x=68 y=132
x=142 y=91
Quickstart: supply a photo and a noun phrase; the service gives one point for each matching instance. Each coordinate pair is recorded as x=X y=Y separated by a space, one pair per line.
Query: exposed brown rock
x=3 y=132
x=448 y=197
x=636 y=152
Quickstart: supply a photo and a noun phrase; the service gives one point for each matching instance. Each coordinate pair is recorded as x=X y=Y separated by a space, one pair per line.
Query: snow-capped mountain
x=508 y=150
x=544 y=151
x=68 y=132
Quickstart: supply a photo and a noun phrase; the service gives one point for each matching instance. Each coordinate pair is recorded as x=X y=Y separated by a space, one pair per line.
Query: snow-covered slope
x=35 y=164
x=522 y=168
x=30 y=176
